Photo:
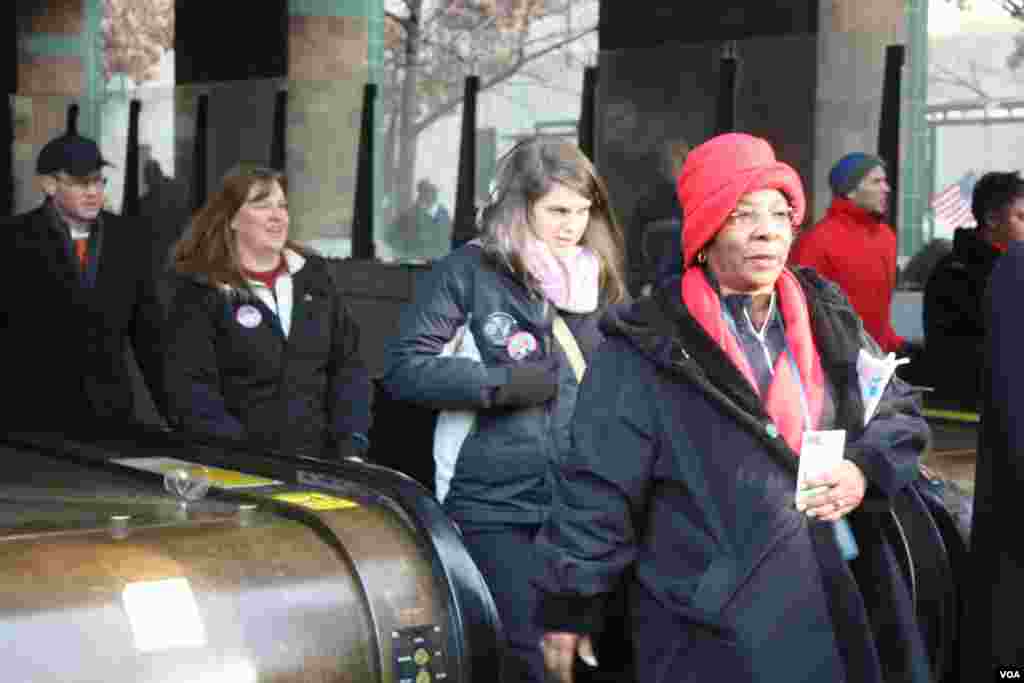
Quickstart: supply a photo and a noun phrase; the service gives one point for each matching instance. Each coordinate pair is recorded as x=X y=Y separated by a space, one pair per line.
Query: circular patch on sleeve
x=499 y=327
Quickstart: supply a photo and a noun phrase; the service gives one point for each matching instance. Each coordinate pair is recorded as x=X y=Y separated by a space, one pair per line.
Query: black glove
x=911 y=348
x=529 y=383
x=914 y=372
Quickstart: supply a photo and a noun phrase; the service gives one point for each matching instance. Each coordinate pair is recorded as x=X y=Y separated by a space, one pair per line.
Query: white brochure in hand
x=820 y=452
x=874 y=375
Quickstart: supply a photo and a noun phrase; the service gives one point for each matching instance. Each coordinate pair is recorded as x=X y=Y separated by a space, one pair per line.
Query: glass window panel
x=529 y=58
x=973 y=123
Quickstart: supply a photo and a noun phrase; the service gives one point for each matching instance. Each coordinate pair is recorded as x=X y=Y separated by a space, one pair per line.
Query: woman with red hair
x=705 y=402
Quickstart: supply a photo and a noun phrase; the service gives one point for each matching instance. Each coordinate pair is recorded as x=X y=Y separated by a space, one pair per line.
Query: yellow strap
x=951 y=415
x=572 y=350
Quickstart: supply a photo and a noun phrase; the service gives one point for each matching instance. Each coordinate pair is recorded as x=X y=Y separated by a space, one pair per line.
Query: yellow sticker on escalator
x=314 y=500
x=218 y=477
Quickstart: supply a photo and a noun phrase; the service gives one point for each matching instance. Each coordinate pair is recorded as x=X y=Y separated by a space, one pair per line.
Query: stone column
x=335 y=47
x=852 y=38
x=58 y=64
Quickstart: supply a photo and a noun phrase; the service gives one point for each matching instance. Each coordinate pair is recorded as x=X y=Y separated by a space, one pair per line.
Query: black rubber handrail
x=475 y=634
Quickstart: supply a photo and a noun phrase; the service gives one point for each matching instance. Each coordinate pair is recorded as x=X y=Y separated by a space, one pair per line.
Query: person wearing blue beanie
x=847 y=173
x=854 y=247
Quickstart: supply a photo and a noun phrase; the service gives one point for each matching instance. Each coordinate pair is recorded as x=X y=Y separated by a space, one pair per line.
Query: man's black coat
x=65 y=331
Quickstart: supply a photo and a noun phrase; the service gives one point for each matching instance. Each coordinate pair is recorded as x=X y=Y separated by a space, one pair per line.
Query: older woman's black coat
x=678 y=481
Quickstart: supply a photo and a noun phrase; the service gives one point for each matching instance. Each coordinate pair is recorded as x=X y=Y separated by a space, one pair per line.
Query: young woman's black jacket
x=523 y=405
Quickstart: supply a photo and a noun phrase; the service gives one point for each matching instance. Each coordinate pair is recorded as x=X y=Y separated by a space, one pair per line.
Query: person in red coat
x=853 y=245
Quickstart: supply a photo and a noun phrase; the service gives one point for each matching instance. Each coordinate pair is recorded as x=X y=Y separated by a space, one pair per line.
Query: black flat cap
x=73 y=154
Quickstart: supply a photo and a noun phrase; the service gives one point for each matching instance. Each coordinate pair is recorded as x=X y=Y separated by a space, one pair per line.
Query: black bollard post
x=199 y=154
x=889 y=122
x=7 y=157
x=277 y=135
x=588 y=112
x=725 y=118
x=130 y=200
x=362 y=214
x=464 y=228
x=72 y=127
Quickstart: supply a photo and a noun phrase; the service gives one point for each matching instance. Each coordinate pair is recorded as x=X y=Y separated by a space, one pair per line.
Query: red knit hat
x=720 y=171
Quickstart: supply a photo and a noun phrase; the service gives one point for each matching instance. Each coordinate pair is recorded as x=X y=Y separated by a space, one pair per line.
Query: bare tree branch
x=442 y=41
x=529 y=42
x=544 y=81
x=949 y=77
x=447 y=107
x=484 y=21
x=1014 y=8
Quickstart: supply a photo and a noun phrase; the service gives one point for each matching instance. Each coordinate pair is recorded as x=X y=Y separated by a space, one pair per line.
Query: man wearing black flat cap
x=76 y=284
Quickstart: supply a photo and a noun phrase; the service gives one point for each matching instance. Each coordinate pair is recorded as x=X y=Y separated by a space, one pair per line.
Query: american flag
x=952 y=206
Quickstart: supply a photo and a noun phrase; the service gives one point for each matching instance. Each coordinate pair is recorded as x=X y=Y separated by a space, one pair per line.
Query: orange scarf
x=783 y=403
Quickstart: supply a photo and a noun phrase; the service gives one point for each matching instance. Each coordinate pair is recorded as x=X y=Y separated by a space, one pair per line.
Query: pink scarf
x=572 y=282
x=782 y=403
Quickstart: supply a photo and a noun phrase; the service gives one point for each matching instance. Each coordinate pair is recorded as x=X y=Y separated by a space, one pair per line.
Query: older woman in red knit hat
x=708 y=403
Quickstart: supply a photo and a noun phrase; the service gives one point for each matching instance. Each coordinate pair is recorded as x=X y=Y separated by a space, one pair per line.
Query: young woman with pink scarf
x=526 y=297
x=705 y=404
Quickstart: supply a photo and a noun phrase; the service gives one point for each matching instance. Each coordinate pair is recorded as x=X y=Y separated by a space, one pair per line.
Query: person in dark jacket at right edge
x=954 y=327
x=683 y=471
x=995 y=593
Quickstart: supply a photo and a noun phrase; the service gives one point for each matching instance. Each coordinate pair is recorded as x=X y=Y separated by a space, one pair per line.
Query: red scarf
x=782 y=403
x=267 y=277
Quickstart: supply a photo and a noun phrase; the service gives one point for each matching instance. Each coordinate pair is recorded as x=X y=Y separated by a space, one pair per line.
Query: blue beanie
x=846 y=175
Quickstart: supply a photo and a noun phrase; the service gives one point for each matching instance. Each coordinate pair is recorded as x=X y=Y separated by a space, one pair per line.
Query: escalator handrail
x=472 y=612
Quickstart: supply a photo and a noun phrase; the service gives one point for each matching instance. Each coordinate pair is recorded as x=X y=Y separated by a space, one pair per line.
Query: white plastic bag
x=874 y=375
x=453 y=426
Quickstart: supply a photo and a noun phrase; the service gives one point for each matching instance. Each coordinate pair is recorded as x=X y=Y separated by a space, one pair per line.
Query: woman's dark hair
x=208 y=247
x=528 y=172
x=993 y=194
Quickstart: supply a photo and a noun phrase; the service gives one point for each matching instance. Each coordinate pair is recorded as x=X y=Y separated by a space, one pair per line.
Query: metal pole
x=588 y=112
x=7 y=157
x=199 y=153
x=362 y=215
x=725 y=120
x=72 y=125
x=889 y=122
x=464 y=229
x=130 y=200
x=277 y=135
